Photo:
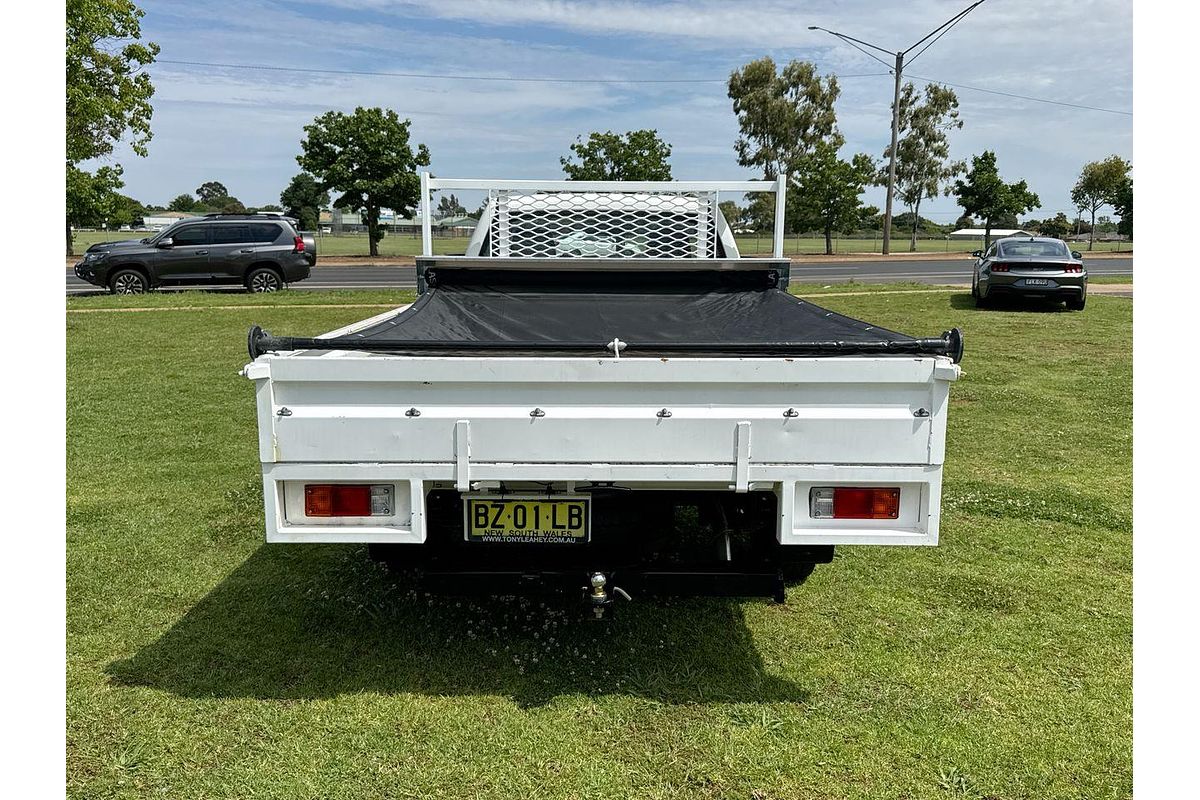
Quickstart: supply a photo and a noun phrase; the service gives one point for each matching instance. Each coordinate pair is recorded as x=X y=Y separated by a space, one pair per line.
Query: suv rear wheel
x=264 y=279
x=128 y=281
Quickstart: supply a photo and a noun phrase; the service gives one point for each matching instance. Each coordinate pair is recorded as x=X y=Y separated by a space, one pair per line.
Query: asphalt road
x=956 y=271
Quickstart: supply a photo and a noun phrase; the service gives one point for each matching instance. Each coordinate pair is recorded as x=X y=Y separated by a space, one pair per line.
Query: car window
x=231 y=234
x=264 y=232
x=1034 y=249
x=190 y=235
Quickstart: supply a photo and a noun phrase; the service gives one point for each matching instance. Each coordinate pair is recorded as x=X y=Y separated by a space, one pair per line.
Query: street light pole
x=897 y=70
x=891 y=186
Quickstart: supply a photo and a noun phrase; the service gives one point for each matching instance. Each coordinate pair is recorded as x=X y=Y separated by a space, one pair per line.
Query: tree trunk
x=373 y=231
x=1092 y=232
x=987 y=234
x=828 y=240
x=70 y=240
x=912 y=242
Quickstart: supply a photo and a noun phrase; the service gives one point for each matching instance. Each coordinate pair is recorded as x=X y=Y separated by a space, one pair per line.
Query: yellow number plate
x=525 y=520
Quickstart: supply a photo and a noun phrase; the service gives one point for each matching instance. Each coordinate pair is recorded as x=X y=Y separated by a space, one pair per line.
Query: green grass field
x=202 y=663
x=408 y=245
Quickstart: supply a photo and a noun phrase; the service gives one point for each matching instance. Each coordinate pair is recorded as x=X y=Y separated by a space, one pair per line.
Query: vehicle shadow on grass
x=1029 y=304
x=310 y=621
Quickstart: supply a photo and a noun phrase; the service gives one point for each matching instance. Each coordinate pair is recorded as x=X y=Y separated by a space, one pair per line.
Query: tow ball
x=599 y=597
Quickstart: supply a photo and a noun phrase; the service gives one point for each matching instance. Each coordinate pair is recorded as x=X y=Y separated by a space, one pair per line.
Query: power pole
x=897 y=70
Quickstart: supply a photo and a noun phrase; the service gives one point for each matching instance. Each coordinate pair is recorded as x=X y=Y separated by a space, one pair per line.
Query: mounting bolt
x=791 y=412
x=284 y=411
x=663 y=414
x=921 y=412
x=537 y=412
x=412 y=412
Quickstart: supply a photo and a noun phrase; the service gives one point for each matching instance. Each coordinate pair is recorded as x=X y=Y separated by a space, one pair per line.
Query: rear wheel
x=981 y=300
x=264 y=279
x=1076 y=304
x=128 y=281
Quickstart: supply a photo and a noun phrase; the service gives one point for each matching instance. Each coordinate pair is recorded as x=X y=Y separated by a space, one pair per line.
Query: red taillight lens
x=1073 y=268
x=299 y=240
x=855 y=502
x=999 y=267
x=337 y=500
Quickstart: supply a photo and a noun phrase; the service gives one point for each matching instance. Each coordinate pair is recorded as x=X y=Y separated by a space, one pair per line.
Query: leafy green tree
x=303 y=199
x=828 y=191
x=1122 y=203
x=271 y=207
x=182 y=202
x=965 y=221
x=448 y=206
x=631 y=156
x=92 y=197
x=107 y=92
x=123 y=211
x=212 y=193
x=923 y=165
x=985 y=195
x=782 y=115
x=735 y=216
x=367 y=157
x=1097 y=186
x=1058 y=227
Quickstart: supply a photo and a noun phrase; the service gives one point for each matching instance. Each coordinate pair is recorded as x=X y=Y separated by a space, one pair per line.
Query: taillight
x=1000 y=267
x=299 y=242
x=1073 y=268
x=854 y=502
x=347 y=499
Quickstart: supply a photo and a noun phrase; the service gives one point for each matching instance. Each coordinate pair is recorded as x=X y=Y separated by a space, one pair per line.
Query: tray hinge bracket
x=741 y=472
x=462 y=455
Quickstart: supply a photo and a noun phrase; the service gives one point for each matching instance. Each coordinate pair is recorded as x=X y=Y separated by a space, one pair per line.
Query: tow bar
x=599 y=598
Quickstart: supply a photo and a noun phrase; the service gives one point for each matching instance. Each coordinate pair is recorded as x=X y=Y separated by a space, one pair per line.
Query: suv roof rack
x=257 y=215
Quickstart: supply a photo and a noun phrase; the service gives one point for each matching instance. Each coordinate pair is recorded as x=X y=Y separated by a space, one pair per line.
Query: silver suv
x=263 y=252
x=1030 y=266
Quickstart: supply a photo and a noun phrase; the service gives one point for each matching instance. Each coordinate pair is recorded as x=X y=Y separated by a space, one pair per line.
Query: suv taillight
x=299 y=241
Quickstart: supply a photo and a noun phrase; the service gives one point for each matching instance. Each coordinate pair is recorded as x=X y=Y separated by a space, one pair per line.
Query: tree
x=827 y=191
x=107 y=92
x=1098 y=184
x=273 y=207
x=923 y=164
x=303 y=199
x=984 y=194
x=1122 y=203
x=367 y=157
x=1058 y=227
x=182 y=202
x=735 y=216
x=782 y=116
x=965 y=221
x=211 y=193
x=92 y=196
x=448 y=206
x=631 y=156
x=124 y=210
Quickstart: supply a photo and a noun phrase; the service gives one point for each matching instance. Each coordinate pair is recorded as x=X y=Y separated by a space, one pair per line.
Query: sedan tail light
x=854 y=502
x=1073 y=268
x=1000 y=267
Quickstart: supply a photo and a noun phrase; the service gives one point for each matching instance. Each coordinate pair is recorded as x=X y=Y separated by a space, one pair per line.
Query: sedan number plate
x=553 y=519
x=1037 y=282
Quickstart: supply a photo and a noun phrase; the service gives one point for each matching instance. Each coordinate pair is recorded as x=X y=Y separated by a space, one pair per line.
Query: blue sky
x=243 y=127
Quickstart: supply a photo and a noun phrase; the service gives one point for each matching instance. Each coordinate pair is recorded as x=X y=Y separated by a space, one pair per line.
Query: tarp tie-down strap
x=950 y=343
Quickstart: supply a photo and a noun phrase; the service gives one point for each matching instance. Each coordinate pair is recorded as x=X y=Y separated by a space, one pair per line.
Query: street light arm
x=852 y=39
x=945 y=26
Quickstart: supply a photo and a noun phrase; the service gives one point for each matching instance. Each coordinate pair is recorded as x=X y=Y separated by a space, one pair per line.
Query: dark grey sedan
x=1030 y=266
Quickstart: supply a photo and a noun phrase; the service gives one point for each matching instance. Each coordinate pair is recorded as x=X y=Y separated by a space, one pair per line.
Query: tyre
x=980 y=300
x=263 y=279
x=128 y=281
x=795 y=574
x=1076 y=305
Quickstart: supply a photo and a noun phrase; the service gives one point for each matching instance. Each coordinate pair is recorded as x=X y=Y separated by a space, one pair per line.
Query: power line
x=512 y=79
x=428 y=76
x=1024 y=97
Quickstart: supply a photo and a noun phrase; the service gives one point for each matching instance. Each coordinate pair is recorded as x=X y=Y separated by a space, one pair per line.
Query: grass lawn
x=203 y=663
x=408 y=245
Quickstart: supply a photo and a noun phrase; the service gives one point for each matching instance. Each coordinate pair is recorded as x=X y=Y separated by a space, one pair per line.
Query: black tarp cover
x=495 y=307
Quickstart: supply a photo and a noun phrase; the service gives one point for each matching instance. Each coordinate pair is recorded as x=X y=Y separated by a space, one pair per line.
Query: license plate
x=1037 y=281
x=558 y=519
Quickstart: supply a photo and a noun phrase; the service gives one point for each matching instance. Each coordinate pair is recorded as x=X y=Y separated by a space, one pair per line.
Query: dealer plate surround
x=527 y=519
